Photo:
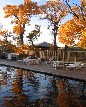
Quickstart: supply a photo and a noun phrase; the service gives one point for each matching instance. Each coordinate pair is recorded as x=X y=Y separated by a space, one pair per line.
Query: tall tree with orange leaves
x=75 y=29
x=54 y=11
x=21 y=15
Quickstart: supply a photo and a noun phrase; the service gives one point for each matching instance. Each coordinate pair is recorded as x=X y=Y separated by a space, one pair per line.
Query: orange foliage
x=82 y=39
x=75 y=9
x=18 y=29
x=54 y=11
x=27 y=1
x=3 y=32
x=68 y=32
x=21 y=15
x=20 y=49
x=10 y=10
x=74 y=29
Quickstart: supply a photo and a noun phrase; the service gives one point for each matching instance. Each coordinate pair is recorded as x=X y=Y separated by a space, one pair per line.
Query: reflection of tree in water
x=58 y=92
x=50 y=91
x=69 y=94
x=3 y=76
x=78 y=93
x=18 y=82
x=33 y=81
x=18 y=99
x=83 y=89
x=52 y=95
x=62 y=98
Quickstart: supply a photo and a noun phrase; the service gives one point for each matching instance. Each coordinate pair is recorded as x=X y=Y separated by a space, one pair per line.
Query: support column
x=63 y=56
x=75 y=56
x=68 y=56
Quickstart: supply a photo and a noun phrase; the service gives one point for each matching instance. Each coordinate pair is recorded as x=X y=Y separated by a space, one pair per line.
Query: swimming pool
x=22 y=88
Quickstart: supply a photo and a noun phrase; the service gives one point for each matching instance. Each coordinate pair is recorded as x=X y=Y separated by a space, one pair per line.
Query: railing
x=47 y=54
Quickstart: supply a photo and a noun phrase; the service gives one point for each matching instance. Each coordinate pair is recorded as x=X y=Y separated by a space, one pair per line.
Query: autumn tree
x=4 y=33
x=54 y=11
x=34 y=34
x=75 y=29
x=21 y=15
x=69 y=32
x=6 y=44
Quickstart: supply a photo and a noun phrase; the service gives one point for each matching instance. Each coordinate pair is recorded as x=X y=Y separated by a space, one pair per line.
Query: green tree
x=34 y=34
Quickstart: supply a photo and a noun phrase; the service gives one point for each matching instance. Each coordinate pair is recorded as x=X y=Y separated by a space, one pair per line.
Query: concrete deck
x=79 y=74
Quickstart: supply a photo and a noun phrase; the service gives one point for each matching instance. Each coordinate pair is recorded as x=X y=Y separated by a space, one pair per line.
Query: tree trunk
x=21 y=39
x=21 y=36
x=32 y=43
x=55 y=34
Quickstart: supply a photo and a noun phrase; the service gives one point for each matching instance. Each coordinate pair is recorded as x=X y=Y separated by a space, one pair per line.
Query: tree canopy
x=54 y=11
x=73 y=32
x=21 y=15
x=70 y=32
x=34 y=34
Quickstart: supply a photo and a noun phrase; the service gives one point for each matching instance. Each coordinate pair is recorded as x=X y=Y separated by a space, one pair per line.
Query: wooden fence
x=47 y=54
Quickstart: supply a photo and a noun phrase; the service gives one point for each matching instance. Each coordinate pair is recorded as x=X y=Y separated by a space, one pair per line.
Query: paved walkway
x=48 y=69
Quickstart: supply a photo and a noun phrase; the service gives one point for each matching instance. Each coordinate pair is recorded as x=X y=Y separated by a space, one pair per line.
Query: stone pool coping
x=79 y=74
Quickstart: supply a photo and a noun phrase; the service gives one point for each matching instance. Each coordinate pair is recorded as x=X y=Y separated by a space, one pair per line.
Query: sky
x=46 y=33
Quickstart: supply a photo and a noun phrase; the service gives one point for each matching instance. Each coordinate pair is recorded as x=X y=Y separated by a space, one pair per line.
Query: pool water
x=21 y=88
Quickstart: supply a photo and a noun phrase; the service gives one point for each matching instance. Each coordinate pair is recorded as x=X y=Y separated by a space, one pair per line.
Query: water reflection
x=20 y=88
x=71 y=93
